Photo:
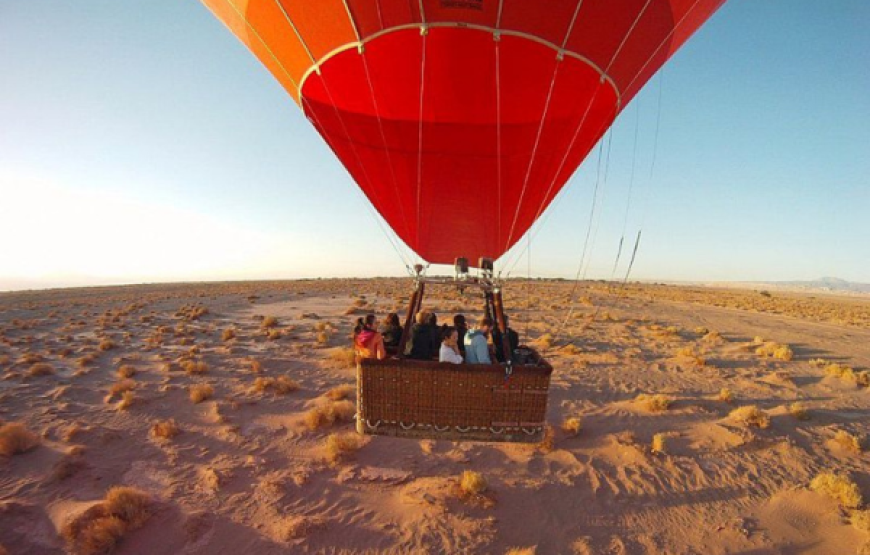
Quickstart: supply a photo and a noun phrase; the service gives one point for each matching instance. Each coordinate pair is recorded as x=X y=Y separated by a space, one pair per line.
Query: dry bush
x=227 y=334
x=107 y=344
x=328 y=414
x=572 y=425
x=126 y=371
x=571 y=349
x=687 y=351
x=548 y=441
x=119 y=388
x=659 y=444
x=16 y=438
x=775 y=350
x=322 y=338
x=200 y=392
x=31 y=358
x=848 y=374
x=255 y=366
x=165 y=429
x=725 y=395
x=472 y=483
x=819 y=362
x=195 y=366
x=274 y=334
x=838 y=487
x=861 y=520
x=750 y=415
x=701 y=330
x=86 y=360
x=799 y=411
x=128 y=398
x=100 y=528
x=40 y=369
x=522 y=551
x=340 y=392
x=849 y=442
x=340 y=447
x=282 y=385
x=269 y=322
x=545 y=341
x=654 y=403
x=344 y=356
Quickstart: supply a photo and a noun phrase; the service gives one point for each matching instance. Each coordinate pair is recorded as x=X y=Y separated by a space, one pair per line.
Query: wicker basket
x=421 y=399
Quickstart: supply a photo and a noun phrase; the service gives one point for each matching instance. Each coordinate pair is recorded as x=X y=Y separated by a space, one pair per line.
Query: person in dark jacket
x=392 y=330
x=513 y=341
x=425 y=338
x=461 y=329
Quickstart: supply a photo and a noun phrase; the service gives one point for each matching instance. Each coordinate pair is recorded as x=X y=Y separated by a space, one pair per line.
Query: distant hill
x=824 y=284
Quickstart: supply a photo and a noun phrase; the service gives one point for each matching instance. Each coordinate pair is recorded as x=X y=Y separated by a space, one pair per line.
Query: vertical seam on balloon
x=625 y=40
x=384 y=140
x=420 y=135
x=298 y=36
x=666 y=39
x=498 y=136
x=266 y=46
x=571 y=25
x=498 y=14
x=422 y=13
x=351 y=19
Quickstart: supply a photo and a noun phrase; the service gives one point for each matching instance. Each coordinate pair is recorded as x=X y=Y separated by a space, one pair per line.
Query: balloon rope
x=420 y=134
x=630 y=190
x=498 y=132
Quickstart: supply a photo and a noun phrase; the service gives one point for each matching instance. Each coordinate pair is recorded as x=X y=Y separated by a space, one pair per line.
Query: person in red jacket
x=367 y=342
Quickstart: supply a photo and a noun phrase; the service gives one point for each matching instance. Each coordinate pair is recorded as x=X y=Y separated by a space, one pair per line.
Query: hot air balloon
x=461 y=120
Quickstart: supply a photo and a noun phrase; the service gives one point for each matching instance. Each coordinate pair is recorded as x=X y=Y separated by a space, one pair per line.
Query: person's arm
x=481 y=349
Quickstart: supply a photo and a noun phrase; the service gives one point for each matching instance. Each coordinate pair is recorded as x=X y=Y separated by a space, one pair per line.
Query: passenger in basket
x=461 y=329
x=367 y=342
x=476 y=348
x=392 y=330
x=424 y=340
x=513 y=341
x=449 y=351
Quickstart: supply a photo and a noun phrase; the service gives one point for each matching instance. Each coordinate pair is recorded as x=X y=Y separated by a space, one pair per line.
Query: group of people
x=427 y=341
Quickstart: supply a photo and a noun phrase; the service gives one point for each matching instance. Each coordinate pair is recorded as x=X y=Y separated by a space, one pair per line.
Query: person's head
x=392 y=319
x=485 y=324
x=449 y=335
x=459 y=321
x=422 y=317
x=433 y=319
x=365 y=323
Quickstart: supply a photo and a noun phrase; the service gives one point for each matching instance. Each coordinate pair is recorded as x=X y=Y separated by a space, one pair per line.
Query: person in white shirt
x=449 y=351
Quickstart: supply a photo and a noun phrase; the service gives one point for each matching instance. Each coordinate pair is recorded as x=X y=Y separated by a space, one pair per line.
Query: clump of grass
x=228 y=334
x=344 y=356
x=750 y=415
x=522 y=551
x=273 y=334
x=165 y=429
x=654 y=403
x=101 y=527
x=659 y=444
x=861 y=520
x=687 y=351
x=572 y=425
x=725 y=395
x=775 y=350
x=819 y=362
x=848 y=374
x=195 y=366
x=322 y=338
x=269 y=322
x=200 y=392
x=40 y=369
x=799 y=411
x=849 y=442
x=106 y=344
x=16 y=438
x=838 y=487
x=340 y=447
x=119 y=388
x=328 y=414
x=701 y=330
x=255 y=366
x=126 y=371
x=128 y=398
x=472 y=483
x=282 y=385
x=545 y=341
x=340 y=392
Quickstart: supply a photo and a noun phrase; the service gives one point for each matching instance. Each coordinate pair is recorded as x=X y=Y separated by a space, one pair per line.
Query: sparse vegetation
x=126 y=371
x=472 y=483
x=118 y=388
x=228 y=334
x=848 y=442
x=15 y=438
x=774 y=350
x=750 y=415
x=799 y=411
x=654 y=403
x=725 y=395
x=572 y=425
x=282 y=385
x=102 y=526
x=838 y=487
x=200 y=392
x=328 y=414
x=659 y=444
x=40 y=369
x=340 y=392
x=128 y=398
x=848 y=374
x=344 y=356
x=195 y=366
x=269 y=322
x=342 y=446
x=165 y=429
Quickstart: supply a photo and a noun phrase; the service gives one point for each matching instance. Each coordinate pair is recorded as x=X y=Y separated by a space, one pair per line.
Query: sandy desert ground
x=218 y=418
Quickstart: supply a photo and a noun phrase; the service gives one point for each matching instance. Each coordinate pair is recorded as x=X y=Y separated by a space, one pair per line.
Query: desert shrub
x=654 y=403
x=107 y=344
x=701 y=330
x=102 y=526
x=687 y=351
x=838 y=487
x=16 y=438
x=750 y=415
x=572 y=425
x=819 y=362
x=328 y=414
x=195 y=366
x=344 y=356
x=227 y=334
x=126 y=371
x=340 y=392
x=273 y=334
x=200 y=392
x=522 y=551
x=119 y=388
x=281 y=385
x=165 y=429
x=128 y=398
x=775 y=350
x=255 y=366
x=86 y=360
x=799 y=411
x=545 y=341
x=725 y=395
x=472 y=483
x=269 y=322
x=340 y=447
x=861 y=520
x=40 y=369
x=322 y=338
x=848 y=442
x=659 y=443
x=848 y=374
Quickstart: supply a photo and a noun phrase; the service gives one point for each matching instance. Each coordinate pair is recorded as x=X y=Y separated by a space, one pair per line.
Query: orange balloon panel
x=462 y=119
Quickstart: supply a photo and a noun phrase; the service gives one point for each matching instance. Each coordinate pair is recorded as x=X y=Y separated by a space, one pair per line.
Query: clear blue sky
x=140 y=141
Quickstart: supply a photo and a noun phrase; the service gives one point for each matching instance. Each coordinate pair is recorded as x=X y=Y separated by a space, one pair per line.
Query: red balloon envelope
x=462 y=119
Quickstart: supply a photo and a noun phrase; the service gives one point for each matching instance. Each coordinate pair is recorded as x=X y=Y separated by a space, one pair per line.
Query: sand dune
x=230 y=434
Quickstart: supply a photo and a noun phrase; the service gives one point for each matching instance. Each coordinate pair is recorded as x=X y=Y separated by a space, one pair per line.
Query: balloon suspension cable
x=630 y=190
